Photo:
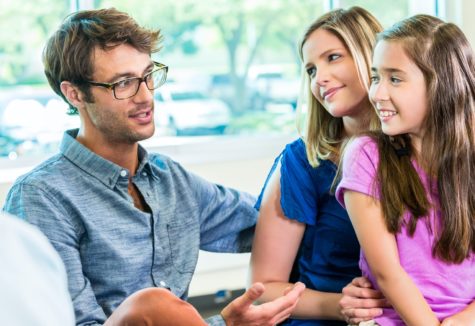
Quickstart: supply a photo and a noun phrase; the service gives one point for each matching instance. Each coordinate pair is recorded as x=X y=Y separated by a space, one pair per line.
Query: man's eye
x=124 y=83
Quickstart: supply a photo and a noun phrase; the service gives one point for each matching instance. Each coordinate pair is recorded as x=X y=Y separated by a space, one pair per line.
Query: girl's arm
x=380 y=249
x=465 y=317
x=276 y=243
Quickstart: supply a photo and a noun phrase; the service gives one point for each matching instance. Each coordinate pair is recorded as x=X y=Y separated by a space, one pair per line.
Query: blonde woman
x=300 y=223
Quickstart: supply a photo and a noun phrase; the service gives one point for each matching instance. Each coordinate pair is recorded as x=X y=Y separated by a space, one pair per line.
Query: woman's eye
x=374 y=79
x=311 y=71
x=333 y=57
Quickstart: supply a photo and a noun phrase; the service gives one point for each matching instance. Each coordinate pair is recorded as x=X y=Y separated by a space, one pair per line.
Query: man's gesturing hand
x=242 y=312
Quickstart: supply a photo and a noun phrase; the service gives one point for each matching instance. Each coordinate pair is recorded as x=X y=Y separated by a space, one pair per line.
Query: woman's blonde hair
x=357 y=29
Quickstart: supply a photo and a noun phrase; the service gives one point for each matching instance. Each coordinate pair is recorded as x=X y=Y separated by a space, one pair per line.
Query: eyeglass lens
x=130 y=87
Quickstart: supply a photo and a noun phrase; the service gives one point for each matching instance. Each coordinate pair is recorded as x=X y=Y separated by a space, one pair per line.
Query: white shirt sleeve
x=33 y=279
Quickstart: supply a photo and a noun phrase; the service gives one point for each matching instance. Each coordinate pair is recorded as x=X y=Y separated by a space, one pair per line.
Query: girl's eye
x=333 y=57
x=395 y=80
x=311 y=71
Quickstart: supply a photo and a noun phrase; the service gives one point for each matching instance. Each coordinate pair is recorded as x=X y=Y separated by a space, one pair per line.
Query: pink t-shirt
x=447 y=288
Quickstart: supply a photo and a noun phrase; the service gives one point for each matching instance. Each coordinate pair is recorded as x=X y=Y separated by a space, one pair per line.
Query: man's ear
x=73 y=94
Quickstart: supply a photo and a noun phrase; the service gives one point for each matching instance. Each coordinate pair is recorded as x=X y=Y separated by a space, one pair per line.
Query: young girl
x=299 y=220
x=410 y=192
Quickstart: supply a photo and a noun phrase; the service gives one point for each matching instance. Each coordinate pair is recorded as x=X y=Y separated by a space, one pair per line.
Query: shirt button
x=163 y=284
x=123 y=173
x=144 y=174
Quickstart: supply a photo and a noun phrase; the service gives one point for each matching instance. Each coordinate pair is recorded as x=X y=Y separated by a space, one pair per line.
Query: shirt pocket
x=184 y=242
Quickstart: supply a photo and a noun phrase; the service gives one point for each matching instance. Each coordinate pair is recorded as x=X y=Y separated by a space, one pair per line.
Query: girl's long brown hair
x=443 y=54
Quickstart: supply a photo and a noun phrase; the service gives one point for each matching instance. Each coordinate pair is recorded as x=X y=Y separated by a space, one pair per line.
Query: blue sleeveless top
x=329 y=253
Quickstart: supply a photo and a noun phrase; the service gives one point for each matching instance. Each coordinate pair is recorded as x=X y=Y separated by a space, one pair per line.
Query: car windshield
x=183 y=96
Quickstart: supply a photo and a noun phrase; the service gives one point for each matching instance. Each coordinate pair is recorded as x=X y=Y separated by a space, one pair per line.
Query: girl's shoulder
x=361 y=146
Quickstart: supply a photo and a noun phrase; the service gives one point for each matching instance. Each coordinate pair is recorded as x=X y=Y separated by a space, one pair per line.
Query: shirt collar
x=103 y=170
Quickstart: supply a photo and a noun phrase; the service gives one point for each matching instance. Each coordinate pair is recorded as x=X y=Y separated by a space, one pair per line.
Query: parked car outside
x=33 y=120
x=185 y=110
x=273 y=90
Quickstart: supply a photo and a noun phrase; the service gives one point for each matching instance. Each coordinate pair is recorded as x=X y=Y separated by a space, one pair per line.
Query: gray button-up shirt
x=112 y=249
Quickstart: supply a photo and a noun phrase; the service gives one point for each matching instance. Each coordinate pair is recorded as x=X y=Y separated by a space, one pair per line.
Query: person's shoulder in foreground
x=32 y=278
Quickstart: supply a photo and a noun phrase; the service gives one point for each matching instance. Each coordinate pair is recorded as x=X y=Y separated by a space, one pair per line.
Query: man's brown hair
x=68 y=54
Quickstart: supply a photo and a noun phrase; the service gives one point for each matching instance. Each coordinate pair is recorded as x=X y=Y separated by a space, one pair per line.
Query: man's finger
x=251 y=295
x=298 y=289
x=284 y=314
x=286 y=303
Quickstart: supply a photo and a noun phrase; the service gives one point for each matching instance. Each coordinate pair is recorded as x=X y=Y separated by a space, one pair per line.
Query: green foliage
x=25 y=27
x=177 y=20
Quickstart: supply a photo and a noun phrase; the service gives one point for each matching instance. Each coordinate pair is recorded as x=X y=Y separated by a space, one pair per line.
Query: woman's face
x=333 y=76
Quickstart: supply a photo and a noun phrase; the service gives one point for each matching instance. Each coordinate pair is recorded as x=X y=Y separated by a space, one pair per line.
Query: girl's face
x=398 y=91
x=333 y=77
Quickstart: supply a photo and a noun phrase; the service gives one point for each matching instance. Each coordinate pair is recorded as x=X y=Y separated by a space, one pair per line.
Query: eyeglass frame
x=111 y=86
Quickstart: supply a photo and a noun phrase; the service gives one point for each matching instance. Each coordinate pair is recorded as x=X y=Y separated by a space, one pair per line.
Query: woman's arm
x=275 y=247
x=381 y=252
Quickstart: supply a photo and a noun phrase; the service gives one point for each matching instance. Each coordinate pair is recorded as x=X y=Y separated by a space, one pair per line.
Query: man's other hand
x=242 y=311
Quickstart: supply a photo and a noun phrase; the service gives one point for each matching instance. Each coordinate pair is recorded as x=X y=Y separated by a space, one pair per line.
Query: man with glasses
x=128 y=87
x=129 y=224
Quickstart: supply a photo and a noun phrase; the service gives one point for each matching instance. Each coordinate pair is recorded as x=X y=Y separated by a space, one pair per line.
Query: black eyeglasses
x=128 y=87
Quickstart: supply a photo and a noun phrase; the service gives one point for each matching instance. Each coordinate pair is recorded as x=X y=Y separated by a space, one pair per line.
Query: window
x=393 y=11
x=241 y=53
x=31 y=115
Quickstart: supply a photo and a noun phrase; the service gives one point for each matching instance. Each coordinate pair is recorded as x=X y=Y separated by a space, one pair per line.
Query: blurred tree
x=175 y=19
x=25 y=27
x=242 y=27
x=294 y=19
